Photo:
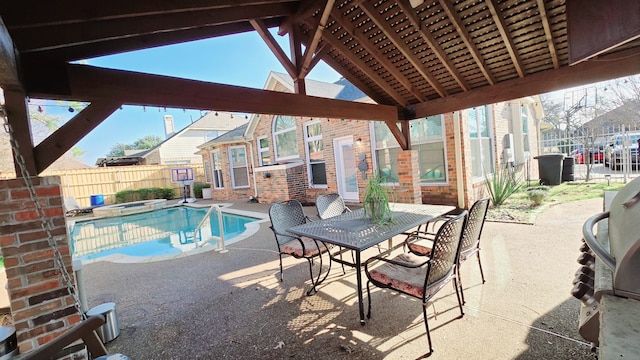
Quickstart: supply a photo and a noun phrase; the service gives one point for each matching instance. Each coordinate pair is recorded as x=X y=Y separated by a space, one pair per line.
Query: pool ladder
x=219 y=239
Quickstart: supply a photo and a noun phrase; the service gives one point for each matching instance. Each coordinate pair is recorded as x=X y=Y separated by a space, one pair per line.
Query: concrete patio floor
x=233 y=306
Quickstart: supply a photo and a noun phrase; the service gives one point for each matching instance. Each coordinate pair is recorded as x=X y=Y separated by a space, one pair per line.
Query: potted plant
x=376 y=201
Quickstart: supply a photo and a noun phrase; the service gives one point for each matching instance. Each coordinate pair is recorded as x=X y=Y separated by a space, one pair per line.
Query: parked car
x=617 y=145
x=595 y=155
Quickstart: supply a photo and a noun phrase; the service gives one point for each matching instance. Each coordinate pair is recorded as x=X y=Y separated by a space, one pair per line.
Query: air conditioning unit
x=507 y=155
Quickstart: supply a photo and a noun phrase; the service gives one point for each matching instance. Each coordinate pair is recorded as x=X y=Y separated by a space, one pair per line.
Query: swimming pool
x=162 y=232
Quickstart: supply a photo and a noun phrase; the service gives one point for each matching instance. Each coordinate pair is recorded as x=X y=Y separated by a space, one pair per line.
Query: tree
x=144 y=143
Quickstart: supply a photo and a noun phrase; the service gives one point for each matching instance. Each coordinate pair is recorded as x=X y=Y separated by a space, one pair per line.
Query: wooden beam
x=622 y=63
x=109 y=47
x=547 y=33
x=8 y=70
x=275 y=48
x=154 y=90
x=374 y=52
x=65 y=137
x=65 y=35
x=296 y=56
x=397 y=133
x=17 y=111
x=312 y=45
x=594 y=27
x=506 y=38
x=448 y=8
x=74 y=11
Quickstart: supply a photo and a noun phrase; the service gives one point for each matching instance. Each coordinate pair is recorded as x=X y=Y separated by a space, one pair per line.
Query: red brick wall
x=41 y=307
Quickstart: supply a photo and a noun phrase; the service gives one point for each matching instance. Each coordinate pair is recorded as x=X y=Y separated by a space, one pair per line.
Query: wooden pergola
x=414 y=58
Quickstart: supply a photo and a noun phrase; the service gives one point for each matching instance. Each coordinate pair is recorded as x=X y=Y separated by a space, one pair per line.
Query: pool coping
x=250 y=229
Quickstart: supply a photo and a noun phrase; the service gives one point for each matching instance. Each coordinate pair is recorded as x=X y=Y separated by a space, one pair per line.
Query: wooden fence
x=107 y=181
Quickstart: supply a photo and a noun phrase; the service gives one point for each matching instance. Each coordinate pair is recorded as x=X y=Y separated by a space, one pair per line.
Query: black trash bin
x=550 y=168
x=568 y=165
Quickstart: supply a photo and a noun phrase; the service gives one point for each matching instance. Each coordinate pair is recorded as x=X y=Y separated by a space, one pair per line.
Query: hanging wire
x=45 y=223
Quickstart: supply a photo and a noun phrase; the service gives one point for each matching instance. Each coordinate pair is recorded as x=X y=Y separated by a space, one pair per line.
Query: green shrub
x=537 y=194
x=144 y=194
x=197 y=189
x=503 y=184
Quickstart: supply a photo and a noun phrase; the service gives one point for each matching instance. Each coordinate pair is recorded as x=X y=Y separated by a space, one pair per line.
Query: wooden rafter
x=375 y=53
x=623 y=63
x=275 y=48
x=78 y=33
x=72 y=11
x=315 y=40
x=65 y=137
x=351 y=78
x=375 y=77
x=448 y=8
x=547 y=33
x=506 y=37
x=433 y=44
x=135 y=88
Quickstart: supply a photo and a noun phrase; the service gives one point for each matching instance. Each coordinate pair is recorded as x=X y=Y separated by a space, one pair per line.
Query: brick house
x=278 y=157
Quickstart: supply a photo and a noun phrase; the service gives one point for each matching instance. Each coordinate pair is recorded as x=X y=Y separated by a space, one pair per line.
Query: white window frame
x=262 y=150
x=216 y=173
x=307 y=140
x=486 y=109
x=232 y=167
x=284 y=131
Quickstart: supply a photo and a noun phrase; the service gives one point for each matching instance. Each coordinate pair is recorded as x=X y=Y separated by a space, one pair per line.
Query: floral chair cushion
x=294 y=247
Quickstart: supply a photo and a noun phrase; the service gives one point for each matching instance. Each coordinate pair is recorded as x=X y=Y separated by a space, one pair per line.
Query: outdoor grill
x=610 y=262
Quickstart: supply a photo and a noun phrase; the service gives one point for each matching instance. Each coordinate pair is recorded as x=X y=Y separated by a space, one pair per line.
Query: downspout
x=253 y=169
x=458 y=157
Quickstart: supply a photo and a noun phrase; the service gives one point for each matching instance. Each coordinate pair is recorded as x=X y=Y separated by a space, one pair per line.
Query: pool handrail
x=219 y=239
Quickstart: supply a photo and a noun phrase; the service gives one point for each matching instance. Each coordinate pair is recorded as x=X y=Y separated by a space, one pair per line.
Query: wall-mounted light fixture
x=358 y=141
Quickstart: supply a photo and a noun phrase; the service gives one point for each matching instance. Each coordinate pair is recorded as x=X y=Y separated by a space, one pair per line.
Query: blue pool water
x=156 y=233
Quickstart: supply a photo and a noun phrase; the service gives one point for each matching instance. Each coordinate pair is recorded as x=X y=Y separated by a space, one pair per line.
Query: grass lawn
x=519 y=207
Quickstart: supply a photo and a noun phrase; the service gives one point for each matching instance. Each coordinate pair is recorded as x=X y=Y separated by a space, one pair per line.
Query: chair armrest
x=84 y=330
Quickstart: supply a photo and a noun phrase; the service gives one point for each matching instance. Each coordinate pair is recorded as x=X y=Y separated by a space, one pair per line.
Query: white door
x=346 y=170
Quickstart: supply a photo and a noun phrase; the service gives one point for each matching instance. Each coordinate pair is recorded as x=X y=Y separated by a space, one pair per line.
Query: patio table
x=355 y=231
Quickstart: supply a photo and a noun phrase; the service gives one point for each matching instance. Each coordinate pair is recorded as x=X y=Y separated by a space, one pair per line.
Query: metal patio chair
x=419 y=276
x=285 y=215
x=415 y=243
x=331 y=205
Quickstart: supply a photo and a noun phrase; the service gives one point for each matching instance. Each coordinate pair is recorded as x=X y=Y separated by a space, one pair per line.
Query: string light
x=70 y=109
x=40 y=110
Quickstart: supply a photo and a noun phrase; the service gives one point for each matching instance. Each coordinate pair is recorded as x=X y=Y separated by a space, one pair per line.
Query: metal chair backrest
x=285 y=215
x=475 y=222
x=445 y=251
x=330 y=205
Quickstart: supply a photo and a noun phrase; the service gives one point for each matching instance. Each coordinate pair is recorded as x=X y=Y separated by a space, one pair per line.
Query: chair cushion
x=294 y=247
x=420 y=249
x=407 y=280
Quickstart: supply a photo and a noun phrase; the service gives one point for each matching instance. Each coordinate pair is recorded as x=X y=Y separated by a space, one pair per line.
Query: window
x=216 y=169
x=427 y=138
x=264 y=157
x=284 y=137
x=315 y=154
x=207 y=171
x=210 y=135
x=482 y=162
x=525 y=127
x=239 y=169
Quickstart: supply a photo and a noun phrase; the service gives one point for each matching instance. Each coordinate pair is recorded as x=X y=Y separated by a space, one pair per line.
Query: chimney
x=168 y=126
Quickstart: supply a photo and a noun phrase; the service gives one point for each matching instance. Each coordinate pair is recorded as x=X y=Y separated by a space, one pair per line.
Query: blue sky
x=243 y=60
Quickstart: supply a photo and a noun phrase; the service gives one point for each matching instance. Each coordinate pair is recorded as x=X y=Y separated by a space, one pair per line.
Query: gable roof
x=232 y=136
x=341 y=90
x=214 y=120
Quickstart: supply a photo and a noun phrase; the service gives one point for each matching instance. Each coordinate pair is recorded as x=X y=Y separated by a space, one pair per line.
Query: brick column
x=409 y=178
x=41 y=306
